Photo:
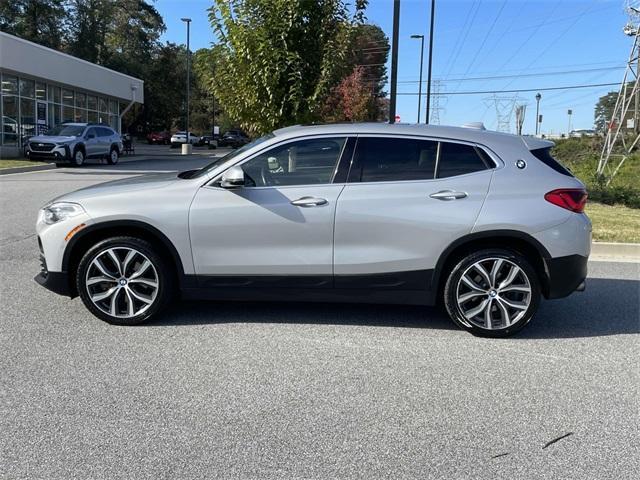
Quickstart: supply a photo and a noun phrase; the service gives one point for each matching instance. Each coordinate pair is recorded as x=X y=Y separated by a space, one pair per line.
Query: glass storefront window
x=54 y=93
x=9 y=119
x=27 y=116
x=103 y=105
x=81 y=100
x=67 y=98
x=67 y=114
x=113 y=122
x=54 y=115
x=9 y=85
x=27 y=88
x=41 y=91
x=113 y=106
x=92 y=102
x=81 y=115
x=92 y=117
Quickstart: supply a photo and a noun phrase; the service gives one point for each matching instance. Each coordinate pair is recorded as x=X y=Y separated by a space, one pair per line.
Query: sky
x=529 y=45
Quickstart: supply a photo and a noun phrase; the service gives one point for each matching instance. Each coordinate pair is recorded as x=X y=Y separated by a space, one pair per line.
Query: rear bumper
x=565 y=275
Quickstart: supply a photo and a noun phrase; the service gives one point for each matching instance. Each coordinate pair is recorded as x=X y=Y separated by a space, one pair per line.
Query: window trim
x=215 y=181
x=489 y=153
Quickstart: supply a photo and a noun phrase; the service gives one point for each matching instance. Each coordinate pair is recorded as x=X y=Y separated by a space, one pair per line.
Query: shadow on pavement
x=607 y=307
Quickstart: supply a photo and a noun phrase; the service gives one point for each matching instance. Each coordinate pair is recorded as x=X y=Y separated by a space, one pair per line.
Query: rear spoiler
x=534 y=143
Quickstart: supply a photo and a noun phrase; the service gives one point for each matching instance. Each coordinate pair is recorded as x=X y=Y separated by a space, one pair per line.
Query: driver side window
x=305 y=162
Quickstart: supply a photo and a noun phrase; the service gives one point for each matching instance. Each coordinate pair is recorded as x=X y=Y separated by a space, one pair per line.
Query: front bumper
x=57 y=282
x=59 y=154
x=565 y=275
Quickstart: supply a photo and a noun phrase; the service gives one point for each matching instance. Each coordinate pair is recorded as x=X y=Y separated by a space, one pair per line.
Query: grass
x=614 y=223
x=18 y=162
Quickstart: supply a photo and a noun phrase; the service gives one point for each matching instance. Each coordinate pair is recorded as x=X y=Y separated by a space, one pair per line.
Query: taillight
x=573 y=199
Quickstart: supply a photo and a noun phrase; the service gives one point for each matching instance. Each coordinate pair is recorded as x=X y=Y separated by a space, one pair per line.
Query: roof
x=470 y=134
x=23 y=57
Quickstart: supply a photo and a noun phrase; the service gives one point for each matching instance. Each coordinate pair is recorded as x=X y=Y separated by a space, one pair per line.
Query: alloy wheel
x=493 y=293
x=122 y=282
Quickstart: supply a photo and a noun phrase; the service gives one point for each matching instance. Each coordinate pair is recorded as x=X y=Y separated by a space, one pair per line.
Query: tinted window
x=104 y=132
x=91 y=131
x=305 y=162
x=544 y=155
x=393 y=159
x=457 y=159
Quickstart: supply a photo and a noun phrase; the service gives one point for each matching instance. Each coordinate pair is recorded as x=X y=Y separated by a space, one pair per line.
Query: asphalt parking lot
x=250 y=390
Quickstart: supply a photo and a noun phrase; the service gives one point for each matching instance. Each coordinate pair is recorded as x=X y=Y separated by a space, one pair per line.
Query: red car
x=161 y=138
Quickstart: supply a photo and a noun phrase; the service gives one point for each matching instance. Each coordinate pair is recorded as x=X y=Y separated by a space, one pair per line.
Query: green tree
x=40 y=21
x=604 y=111
x=279 y=59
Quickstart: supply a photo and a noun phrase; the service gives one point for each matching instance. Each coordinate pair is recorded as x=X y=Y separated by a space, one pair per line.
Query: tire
x=78 y=157
x=490 y=287
x=113 y=157
x=134 y=299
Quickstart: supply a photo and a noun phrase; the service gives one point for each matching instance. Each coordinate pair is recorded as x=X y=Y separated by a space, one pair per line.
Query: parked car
x=584 y=132
x=159 y=138
x=484 y=223
x=208 y=141
x=233 y=139
x=73 y=143
x=179 y=138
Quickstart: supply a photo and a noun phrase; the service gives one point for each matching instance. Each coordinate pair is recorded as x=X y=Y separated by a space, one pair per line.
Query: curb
x=31 y=168
x=629 y=252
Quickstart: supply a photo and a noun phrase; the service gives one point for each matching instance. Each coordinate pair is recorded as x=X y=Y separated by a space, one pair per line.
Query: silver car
x=73 y=143
x=481 y=222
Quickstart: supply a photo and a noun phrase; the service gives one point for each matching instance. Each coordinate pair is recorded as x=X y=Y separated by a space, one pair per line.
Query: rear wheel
x=124 y=281
x=492 y=293
x=113 y=156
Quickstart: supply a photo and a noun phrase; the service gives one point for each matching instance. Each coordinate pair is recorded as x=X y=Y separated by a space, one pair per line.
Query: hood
x=52 y=139
x=127 y=185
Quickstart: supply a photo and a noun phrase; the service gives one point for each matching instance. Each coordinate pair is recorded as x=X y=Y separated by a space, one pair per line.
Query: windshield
x=219 y=161
x=66 y=131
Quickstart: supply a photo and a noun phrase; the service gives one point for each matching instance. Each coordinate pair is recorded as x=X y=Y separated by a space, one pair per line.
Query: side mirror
x=232 y=178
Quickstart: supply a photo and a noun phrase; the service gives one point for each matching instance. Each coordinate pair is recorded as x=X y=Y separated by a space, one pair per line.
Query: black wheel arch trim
x=437 y=280
x=183 y=279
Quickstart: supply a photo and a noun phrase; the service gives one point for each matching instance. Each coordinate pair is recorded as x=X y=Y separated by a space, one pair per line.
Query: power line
x=539 y=74
x=519 y=90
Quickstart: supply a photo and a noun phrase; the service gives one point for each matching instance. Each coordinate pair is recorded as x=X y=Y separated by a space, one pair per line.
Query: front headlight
x=56 y=212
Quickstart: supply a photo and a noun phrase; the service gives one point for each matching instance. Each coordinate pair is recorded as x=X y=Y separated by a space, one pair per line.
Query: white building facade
x=42 y=88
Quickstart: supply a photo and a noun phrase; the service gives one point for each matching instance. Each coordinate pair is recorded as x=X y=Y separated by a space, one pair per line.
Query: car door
x=405 y=201
x=276 y=230
x=92 y=142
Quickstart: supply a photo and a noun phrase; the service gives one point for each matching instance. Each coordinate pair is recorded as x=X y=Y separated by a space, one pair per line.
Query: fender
x=123 y=224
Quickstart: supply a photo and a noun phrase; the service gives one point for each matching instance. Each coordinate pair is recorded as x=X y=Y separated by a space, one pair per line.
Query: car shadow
x=607 y=307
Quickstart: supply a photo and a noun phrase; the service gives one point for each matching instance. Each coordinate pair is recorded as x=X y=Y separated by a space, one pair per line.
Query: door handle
x=448 y=195
x=309 y=202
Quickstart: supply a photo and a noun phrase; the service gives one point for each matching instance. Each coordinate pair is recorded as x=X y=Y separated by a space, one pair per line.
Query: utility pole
x=394 y=61
x=188 y=22
x=421 y=37
x=433 y=9
x=538 y=97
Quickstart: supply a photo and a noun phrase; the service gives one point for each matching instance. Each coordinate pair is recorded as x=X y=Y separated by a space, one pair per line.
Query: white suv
x=484 y=223
x=73 y=143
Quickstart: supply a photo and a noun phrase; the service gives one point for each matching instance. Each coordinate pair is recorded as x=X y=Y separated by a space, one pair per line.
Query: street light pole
x=433 y=9
x=538 y=97
x=188 y=22
x=421 y=37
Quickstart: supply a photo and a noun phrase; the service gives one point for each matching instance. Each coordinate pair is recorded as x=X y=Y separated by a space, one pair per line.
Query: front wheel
x=78 y=158
x=492 y=293
x=124 y=281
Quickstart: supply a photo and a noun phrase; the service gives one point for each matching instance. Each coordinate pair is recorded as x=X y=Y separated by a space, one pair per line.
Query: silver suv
x=75 y=142
x=481 y=222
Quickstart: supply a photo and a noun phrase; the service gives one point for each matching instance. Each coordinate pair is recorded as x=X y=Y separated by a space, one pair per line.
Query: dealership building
x=42 y=88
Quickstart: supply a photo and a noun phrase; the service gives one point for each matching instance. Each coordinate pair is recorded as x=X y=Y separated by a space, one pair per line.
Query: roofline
x=57 y=52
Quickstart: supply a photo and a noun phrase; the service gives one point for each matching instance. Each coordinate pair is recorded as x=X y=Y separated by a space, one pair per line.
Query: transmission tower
x=626 y=112
x=505 y=107
x=436 y=108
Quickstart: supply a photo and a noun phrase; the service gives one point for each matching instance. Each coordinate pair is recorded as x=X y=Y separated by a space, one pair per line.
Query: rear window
x=544 y=155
